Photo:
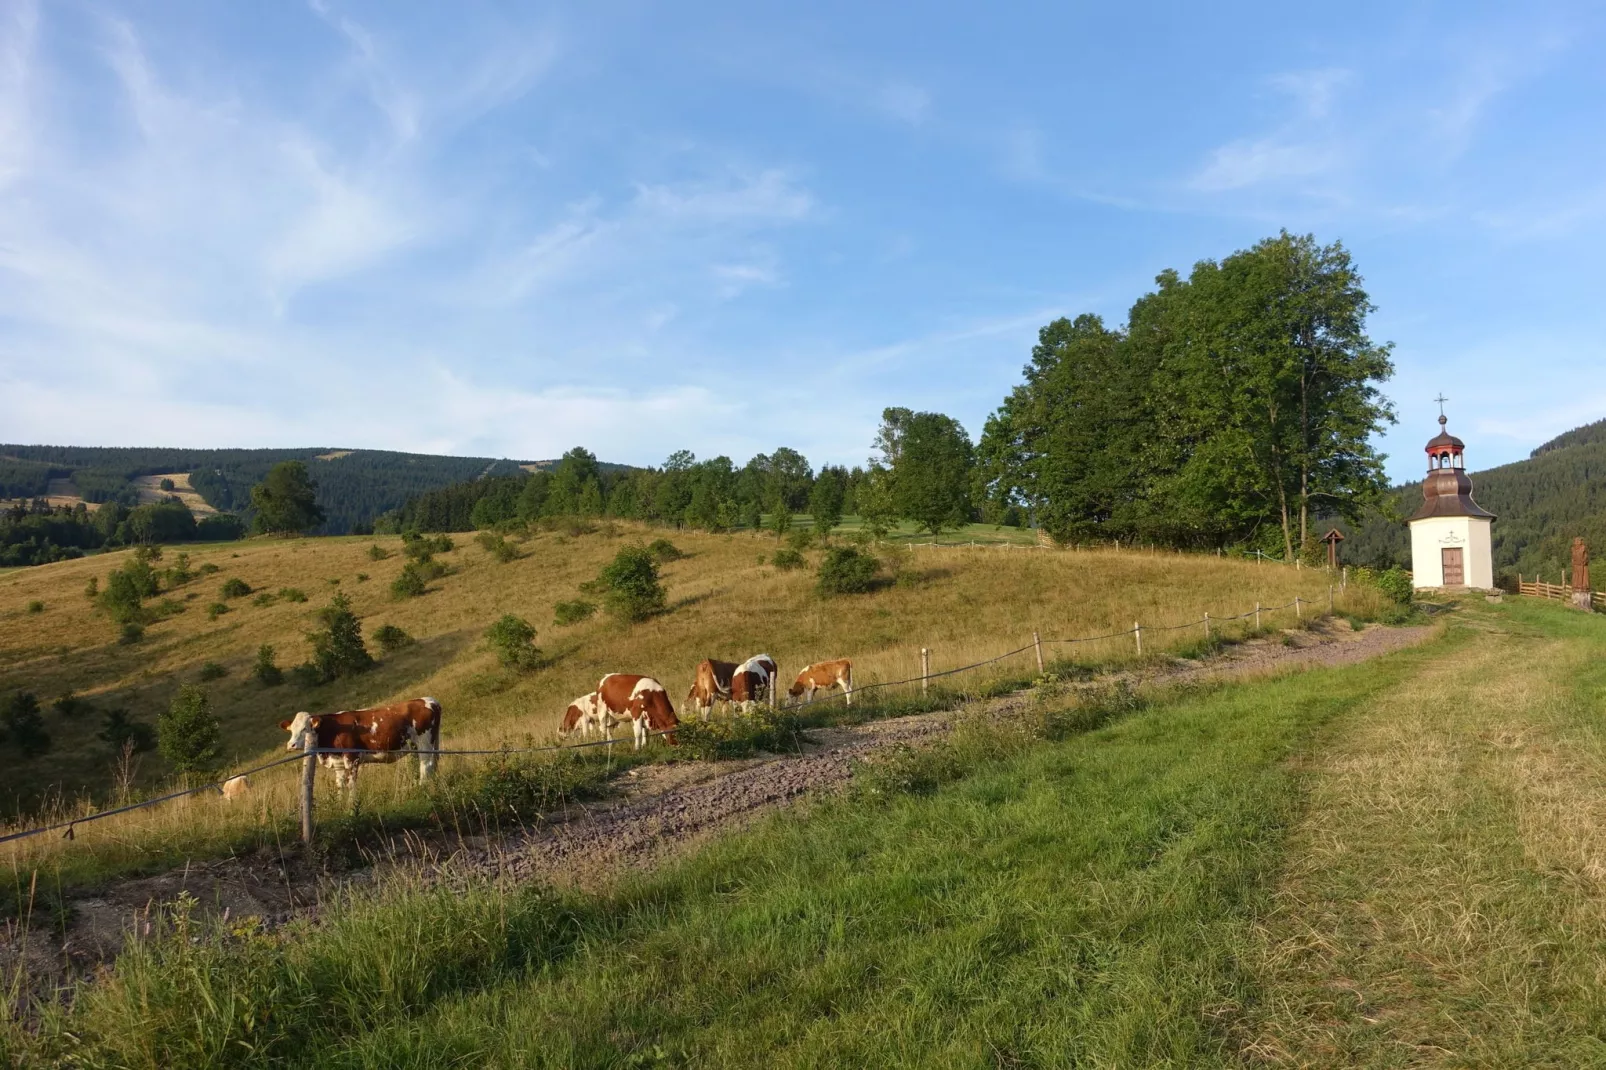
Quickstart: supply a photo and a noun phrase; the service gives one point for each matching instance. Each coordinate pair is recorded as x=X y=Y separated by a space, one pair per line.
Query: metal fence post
x=925 y=669
x=1137 y=631
x=309 y=766
x=1037 y=642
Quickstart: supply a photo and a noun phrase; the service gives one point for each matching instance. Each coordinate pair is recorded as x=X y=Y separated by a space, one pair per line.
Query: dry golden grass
x=964 y=604
x=150 y=490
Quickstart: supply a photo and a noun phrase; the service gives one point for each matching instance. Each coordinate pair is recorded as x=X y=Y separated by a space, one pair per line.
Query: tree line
x=37 y=533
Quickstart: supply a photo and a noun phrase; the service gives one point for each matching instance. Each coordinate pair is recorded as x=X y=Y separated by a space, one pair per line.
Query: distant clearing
x=150 y=490
x=334 y=455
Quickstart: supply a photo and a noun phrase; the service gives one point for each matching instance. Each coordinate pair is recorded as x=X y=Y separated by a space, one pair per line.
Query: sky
x=510 y=229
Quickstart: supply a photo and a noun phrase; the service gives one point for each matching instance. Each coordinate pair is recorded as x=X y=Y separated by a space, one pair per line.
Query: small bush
x=92 y=588
x=36 y=606
x=292 y=594
x=189 y=734
x=130 y=634
x=264 y=599
x=216 y=610
x=566 y=613
x=800 y=540
x=208 y=568
x=362 y=577
x=118 y=729
x=337 y=648
x=663 y=550
x=513 y=639
x=1396 y=583
x=846 y=570
x=235 y=587
x=377 y=552
x=68 y=704
x=525 y=787
x=772 y=731
x=212 y=671
x=389 y=637
x=497 y=546
x=629 y=585
x=786 y=559
x=179 y=572
x=266 y=672
x=167 y=607
x=305 y=675
x=410 y=584
x=22 y=725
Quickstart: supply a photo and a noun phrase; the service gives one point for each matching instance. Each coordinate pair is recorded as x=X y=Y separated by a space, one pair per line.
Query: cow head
x=797 y=687
x=297 y=726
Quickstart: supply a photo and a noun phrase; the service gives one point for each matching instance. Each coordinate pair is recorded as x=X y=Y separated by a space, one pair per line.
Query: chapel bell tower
x=1451 y=547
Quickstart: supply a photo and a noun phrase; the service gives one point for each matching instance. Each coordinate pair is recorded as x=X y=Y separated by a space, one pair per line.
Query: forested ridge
x=1542 y=503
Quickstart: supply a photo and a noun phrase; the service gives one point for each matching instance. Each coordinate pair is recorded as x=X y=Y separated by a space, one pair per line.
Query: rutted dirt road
x=658 y=811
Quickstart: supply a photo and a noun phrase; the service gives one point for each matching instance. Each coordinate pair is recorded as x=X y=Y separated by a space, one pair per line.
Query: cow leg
x=640 y=727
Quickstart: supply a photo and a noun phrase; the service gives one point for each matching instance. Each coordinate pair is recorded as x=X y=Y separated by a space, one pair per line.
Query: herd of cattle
x=352 y=738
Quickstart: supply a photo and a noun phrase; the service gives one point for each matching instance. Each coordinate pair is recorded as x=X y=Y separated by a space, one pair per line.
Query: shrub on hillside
x=292 y=594
x=629 y=585
x=267 y=673
x=513 y=639
x=127 y=588
x=787 y=559
x=410 y=584
x=92 y=588
x=497 y=546
x=36 y=606
x=216 y=610
x=208 y=568
x=663 y=550
x=800 y=540
x=120 y=730
x=211 y=670
x=130 y=634
x=389 y=637
x=179 y=572
x=337 y=647
x=377 y=552
x=68 y=704
x=1396 y=583
x=846 y=570
x=234 y=587
x=305 y=675
x=188 y=733
x=566 y=613
x=22 y=726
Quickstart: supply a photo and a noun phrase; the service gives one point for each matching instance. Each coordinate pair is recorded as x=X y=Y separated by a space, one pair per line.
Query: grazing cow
x=381 y=734
x=752 y=682
x=236 y=787
x=824 y=675
x=643 y=700
x=587 y=714
x=711 y=683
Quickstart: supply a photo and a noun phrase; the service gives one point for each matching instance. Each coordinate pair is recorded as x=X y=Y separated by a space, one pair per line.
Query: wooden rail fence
x=1559 y=592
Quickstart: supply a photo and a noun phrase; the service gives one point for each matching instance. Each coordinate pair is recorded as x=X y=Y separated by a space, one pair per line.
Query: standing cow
x=824 y=675
x=381 y=734
x=753 y=682
x=586 y=714
x=711 y=683
x=643 y=700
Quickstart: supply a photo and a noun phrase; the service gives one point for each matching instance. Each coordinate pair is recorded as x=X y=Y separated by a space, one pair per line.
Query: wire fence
x=311 y=755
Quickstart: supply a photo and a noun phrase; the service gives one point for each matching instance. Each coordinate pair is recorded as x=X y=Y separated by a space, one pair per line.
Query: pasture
x=725 y=600
x=1367 y=866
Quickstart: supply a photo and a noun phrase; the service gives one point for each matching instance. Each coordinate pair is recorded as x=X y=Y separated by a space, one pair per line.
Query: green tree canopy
x=188 y=734
x=285 y=501
x=931 y=476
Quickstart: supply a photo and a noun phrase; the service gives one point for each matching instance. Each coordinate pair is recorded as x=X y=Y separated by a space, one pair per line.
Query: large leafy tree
x=931 y=476
x=286 y=500
x=827 y=497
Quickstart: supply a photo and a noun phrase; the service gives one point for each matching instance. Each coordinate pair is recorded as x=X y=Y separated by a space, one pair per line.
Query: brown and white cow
x=643 y=700
x=381 y=734
x=587 y=715
x=823 y=676
x=752 y=682
x=711 y=683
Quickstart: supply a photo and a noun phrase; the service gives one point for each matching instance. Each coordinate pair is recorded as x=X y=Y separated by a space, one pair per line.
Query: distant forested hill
x=1559 y=492
x=354 y=486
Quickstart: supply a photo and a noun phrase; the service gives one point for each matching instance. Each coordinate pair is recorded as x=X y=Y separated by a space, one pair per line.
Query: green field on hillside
x=1398 y=863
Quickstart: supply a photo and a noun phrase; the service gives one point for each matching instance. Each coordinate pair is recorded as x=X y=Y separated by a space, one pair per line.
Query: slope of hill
x=1543 y=502
x=354 y=486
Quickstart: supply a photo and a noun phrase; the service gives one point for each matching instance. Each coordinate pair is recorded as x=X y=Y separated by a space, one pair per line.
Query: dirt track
x=659 y=810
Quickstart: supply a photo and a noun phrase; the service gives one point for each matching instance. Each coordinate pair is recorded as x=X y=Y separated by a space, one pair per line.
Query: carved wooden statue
x=1580 y=565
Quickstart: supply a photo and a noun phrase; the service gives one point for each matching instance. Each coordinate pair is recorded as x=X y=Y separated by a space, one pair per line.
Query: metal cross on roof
x=1441 y=399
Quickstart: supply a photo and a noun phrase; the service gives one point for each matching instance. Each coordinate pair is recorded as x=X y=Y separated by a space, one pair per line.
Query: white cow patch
x=299 y=724
x=645 y=686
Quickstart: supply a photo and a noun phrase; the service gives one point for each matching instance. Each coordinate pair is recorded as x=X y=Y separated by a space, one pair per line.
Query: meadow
x=725 y=600
x=1367 y=866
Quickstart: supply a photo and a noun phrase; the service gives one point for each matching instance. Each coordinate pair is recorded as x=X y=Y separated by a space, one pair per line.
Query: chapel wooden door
x=1453 y=576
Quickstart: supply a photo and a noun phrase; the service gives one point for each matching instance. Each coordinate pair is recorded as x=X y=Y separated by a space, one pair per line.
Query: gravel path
x=659 y=810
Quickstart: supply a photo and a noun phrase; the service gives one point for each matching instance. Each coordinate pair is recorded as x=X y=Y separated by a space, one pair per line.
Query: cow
x=711 y=683
x=824 y=675
x=752 y=682
x=381 y=734
x=235 y=787
x=587 y=714
x=643 y=700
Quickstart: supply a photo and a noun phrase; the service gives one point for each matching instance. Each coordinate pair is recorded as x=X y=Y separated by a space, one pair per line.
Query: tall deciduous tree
x=825 y=500
x=286 y=500
x=931 y=475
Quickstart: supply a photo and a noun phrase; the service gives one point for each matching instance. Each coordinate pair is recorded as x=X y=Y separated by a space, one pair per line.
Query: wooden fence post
x=775 y=687
x=309 y=766
x=1329 y=598
x=1257 y=616
x=1343 y=579
x=1137 y=631
x=1298 y=613
x=1037 y=642
x=1207 y=627
x=925 y=669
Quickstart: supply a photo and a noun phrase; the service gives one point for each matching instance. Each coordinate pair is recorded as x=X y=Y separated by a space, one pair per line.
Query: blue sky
x=510 y=229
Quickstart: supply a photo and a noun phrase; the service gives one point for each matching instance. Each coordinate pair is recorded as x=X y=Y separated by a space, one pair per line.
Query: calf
x=235 y=787
x=711 y=683
x=587 y=714
x=643 y=700
x=824 y=675
x=381 y=734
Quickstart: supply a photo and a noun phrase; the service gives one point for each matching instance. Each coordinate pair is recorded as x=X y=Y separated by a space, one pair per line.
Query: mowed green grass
x=1091 y=902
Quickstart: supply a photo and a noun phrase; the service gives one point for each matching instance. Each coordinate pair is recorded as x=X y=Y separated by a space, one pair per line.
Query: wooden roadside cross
x=1332 y=539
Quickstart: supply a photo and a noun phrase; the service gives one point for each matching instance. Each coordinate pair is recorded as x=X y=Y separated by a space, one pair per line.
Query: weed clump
x=36 y=606
x=130 y=634
x=216 y=610
x=771 y=731
x=292 y=594
x=786 y=559
x=566 y=613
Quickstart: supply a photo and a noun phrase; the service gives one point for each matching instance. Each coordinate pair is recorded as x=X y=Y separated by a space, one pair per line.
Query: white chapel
x=1450 y=534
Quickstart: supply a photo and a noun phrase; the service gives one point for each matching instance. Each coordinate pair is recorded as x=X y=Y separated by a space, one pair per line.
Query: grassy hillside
x=1350 y=867
x=1542 y=504
x=964 y=604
